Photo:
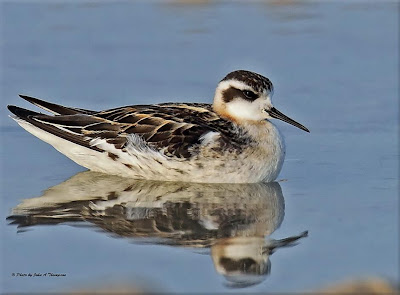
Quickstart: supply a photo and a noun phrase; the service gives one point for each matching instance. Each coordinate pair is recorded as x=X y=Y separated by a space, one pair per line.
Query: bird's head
x=245 y=97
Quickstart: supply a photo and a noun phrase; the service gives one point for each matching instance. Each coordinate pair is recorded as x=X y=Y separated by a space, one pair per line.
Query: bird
x=231 y=140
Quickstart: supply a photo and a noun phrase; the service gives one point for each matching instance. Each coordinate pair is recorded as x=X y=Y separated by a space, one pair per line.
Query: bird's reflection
x=233 y=220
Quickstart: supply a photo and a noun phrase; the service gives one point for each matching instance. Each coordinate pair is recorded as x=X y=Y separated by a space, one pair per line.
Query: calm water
x=335 y=69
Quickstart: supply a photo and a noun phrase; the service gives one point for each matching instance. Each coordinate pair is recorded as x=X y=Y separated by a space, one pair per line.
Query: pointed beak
x=274 y=113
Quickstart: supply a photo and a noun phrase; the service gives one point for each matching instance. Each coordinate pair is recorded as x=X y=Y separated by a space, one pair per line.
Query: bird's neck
x=260 y=130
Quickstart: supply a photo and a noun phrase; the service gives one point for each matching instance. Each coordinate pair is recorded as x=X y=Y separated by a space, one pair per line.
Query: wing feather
x=173 y=129
x=70 y=135
x=54 y=108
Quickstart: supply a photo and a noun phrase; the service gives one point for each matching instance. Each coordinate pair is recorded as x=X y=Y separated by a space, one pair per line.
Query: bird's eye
x=250 y=94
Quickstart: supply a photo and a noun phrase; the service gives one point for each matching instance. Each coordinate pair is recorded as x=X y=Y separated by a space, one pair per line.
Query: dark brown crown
x=254 y=80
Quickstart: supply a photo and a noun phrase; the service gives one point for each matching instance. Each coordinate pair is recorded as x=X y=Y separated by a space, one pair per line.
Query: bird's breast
x=267 y=151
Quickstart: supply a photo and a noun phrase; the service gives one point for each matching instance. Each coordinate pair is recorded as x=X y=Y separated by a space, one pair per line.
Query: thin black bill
x=274 y=113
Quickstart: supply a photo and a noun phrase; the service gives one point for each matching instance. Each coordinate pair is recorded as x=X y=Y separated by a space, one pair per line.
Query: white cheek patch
x=245 y=110
x=268 y=102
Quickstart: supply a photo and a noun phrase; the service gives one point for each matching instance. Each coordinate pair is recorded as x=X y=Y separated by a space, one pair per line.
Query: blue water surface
x=334 y=66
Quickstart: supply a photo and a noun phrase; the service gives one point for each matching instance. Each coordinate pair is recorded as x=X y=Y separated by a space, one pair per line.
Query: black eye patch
x=231 y=93
x=250 y=95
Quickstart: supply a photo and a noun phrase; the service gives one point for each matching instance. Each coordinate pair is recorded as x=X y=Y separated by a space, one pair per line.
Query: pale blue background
x=334 y=67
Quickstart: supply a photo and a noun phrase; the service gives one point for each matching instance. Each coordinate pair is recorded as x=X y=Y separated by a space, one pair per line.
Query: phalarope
x=230 y=141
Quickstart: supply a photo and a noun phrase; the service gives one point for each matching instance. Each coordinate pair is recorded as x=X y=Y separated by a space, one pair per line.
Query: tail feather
x=55 y=108
x=22 y=113
x=38 y=120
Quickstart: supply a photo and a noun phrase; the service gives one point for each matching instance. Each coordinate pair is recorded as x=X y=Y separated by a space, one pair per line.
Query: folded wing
x=173 y=129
